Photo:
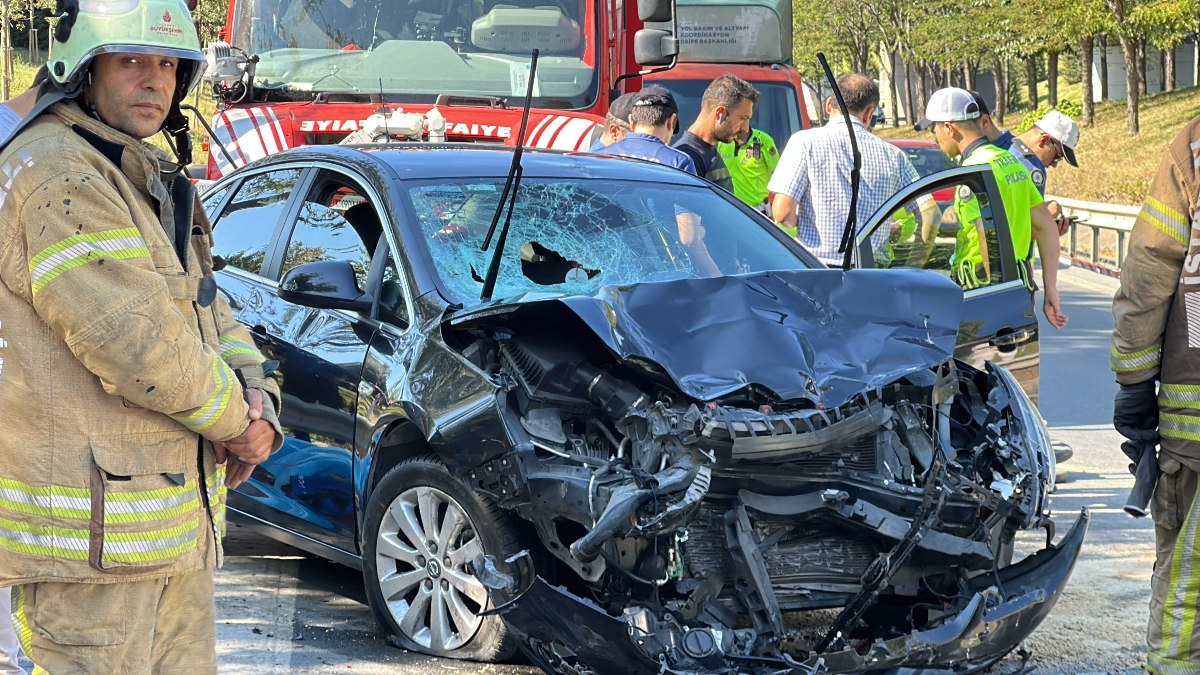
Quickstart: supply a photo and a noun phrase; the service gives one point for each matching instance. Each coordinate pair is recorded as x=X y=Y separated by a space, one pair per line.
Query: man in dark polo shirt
x=725 y=111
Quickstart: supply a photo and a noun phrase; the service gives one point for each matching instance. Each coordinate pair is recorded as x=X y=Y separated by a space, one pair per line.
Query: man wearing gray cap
x=653 y=117
x=953 y=116
x=616 y=122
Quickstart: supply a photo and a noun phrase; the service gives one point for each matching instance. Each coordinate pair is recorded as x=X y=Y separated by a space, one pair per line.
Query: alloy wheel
x=423 y=546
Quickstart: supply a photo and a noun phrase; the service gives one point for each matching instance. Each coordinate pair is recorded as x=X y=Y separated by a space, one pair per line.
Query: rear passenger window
x=242 y=233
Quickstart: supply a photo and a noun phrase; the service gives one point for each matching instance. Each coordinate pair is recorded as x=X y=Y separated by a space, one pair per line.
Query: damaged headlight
x=1032 y=440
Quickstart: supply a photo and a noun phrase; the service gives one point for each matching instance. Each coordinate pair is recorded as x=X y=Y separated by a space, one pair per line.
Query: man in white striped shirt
x=812 y=182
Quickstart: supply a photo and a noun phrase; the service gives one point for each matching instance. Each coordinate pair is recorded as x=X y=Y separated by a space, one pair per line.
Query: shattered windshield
x=576 y=236
x=413 y=50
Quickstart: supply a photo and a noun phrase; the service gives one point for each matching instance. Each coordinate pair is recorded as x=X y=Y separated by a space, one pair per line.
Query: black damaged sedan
x=668 y=441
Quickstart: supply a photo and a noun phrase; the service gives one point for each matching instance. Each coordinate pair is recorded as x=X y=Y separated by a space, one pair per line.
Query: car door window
x=335 y=222
x=952 y=227
x=243 y=231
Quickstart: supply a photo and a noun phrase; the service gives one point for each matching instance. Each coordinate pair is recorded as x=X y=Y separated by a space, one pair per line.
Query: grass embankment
x=1114 y=166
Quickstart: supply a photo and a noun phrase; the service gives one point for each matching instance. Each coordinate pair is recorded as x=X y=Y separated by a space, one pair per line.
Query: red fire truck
x=302 y=72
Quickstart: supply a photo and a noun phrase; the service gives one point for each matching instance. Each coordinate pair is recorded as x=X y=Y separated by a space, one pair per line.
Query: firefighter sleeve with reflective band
x=1151 y=271
x=93 y=281
x=239 y=353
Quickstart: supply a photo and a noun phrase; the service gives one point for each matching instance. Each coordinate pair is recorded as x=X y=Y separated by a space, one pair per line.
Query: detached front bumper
x=560 y=629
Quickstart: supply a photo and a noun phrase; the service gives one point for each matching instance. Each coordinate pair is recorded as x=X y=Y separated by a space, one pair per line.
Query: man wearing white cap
x=1051 y=139
x=953 y=115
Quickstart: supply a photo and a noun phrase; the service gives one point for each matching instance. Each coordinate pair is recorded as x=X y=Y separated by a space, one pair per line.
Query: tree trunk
x=1129 y=50
x=1141 y=66
x=1168 y=69
x=1052 y=79
x=922 y=89
x=1031 y=64
x=1103 y=67
x=910 y=113
x=6 y=46
x=1085 y=65
x=1195 y=59
x=892 y=89
x=859 y=57
x=999 y=86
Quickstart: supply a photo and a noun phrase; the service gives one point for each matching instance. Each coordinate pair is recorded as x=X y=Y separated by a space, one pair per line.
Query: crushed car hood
x=823 y=335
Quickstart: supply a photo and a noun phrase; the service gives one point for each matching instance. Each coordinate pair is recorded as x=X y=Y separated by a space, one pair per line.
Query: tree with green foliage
x=1166 y=24
x=1085 y=21
x=838 y=29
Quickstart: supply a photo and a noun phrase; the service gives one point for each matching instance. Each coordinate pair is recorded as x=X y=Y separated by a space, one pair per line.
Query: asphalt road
x=283 y=611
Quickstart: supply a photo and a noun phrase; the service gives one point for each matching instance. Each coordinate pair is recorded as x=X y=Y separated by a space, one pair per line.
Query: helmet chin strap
x=88 y=106
x=176 y=127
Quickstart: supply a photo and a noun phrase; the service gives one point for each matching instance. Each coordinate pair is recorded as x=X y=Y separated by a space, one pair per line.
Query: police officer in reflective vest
x=953 y=116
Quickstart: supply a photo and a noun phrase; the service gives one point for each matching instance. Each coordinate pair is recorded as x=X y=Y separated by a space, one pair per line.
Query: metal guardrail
x=1097 y=241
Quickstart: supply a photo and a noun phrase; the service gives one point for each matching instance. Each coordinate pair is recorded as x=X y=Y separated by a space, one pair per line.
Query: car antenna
x=511 y=183
x=847 y=247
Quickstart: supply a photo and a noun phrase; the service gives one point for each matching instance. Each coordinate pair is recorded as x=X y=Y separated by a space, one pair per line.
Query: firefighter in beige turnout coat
x=1157 y=338
x=124 y=380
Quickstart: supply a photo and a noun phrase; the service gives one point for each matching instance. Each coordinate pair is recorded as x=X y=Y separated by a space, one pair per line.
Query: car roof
x=421 y=161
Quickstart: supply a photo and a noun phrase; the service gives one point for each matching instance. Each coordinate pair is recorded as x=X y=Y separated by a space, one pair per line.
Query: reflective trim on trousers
x=1151 y=357
x=1162 y=666
x=1183 y=427
x=1179 y=609
x=24 y=630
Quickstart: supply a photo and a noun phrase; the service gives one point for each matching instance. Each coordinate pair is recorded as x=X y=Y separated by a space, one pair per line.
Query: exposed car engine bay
x=757 y=533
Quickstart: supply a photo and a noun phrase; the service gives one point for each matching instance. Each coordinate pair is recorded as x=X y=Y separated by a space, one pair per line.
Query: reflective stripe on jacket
x=1156 y=311
x=117 y=363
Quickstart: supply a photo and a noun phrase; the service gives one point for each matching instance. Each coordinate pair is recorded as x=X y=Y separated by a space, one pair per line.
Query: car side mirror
x=654 y=47
x=660 y=11
x=325 y=284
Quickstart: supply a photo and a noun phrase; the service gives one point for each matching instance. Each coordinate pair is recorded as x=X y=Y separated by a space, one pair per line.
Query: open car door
x=921 y=227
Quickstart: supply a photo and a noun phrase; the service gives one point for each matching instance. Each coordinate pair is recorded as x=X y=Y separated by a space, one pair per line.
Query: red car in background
x=928 y=159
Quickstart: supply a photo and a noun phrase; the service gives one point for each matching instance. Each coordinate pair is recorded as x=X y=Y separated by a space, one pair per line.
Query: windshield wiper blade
x=847 y=246
x=511 y=184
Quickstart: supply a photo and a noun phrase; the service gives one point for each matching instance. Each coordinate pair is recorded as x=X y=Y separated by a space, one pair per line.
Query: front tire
x=423 y=526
